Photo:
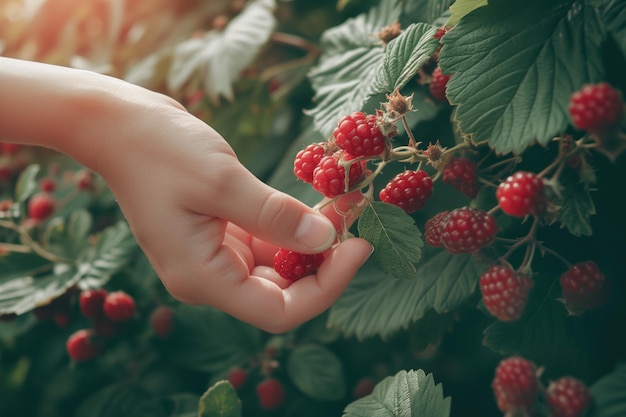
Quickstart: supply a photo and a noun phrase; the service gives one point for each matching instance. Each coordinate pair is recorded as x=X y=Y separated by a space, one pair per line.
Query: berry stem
x=412 y=141
x=312 y=52
x=529 y=238
x=34 y=246
x=554 y=253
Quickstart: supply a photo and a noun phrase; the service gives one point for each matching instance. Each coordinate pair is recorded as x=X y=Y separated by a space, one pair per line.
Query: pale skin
x=209 y=227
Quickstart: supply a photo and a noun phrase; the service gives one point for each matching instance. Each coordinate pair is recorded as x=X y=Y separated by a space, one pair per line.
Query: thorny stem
x=528 y=259
x=412 y=142
x=29 y=242
x=529 y=238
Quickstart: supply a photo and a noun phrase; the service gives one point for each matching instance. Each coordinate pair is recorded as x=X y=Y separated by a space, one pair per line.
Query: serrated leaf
x=613 y=15
x=317 y=372
x=395 y=237
x=515 y=66
x=577 y=207
x=374 y=305
x=351 y=57
x=220 y=400
x=608 y=394
x=462 y=7
x=404 y=56
x=406 y=394
x=26 y=184
x=427 y=11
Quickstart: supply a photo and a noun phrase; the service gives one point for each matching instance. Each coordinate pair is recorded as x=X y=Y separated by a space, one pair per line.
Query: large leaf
x=26 y=184
x=515 y=66
x=373 y=304
x=317 y=372
x=220 y=400
x=608 y=394
x=613 y=15
x=577 y=207
x=425 y=10
x=406 y=394
x=395 y=237
x=462 y=7
x=119 y=400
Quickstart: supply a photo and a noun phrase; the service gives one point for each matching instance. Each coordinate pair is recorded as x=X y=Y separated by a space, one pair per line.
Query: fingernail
x=315 y=232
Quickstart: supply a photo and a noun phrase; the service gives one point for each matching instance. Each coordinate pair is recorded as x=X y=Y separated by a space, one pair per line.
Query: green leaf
x=373 y=304
x=394 y=236
x=411 y=393
x=182 y=405
x=317 y=372
x=613 y=16
x=26 y=184
x=68 y=237
x=608 y=394
x=350 y=60
x=429 y=330
x=119 y=400
x=16 y=264
x=426 y=10
x=461 y=8
x=404 y=56
x=220 y=400
x=576 y=208
x=515 y=66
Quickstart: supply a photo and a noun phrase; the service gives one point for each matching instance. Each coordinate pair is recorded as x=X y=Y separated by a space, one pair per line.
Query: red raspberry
x=432 y=229
x=306 y=161
x=440 y=32
x=584 y=287
x=119 y=306
x=596 y=108
x=521 y=194
x=466 y=230
x=408 y=190
x=461 y=174
x=162 y=321
x=91 y=303
x=359 y=135
x=293 y=265
x=237 y=377
x=515 y=385
x=62 y=320
x=438 y=85
x=329 y=175
x=505 y=292
x=47 y=185
x=41 y=206
x=363 y=387
x=83 y=179
x=271 y=393
x=80 y=346
x=567 y=397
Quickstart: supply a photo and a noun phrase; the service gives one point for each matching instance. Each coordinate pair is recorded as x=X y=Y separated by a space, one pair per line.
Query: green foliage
x=608 y=394
x=220 y=400
x=317 y=372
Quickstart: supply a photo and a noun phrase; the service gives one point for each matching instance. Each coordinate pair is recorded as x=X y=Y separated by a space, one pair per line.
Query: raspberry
x=466 y=230
x=567 y=397
x=329 y=175
x=41 y=206
x=438 y=84
x=306 y=161
x=408 y=190
x=62 y=319
x=47 y=185
x=440 y=32
x=505 y=292
x=91 y=303
x=271 y=393
x=521 y=194
x=359 y=135
x=515 y=384
x=119 y=306
x=83 y=179
x=293 y=265
x=584 y=287
x=9 y=148
x=363 y=387
x=80 y=346
x=237 y=378
x=460 y=173
x=162 y=321
x=432 y=229
x=596 y=108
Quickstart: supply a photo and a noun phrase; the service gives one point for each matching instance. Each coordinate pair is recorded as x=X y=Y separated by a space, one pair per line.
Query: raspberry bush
x=486 y=139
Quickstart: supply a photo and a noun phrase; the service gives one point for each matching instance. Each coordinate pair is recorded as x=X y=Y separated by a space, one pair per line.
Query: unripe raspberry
x=522 y=194
x=438 y=85
x=91 y=303
x=307 y=160
x=329 y=177
x=409 y=190
x=80 y=346
x=515 y=385
x=238 y=378
x=359 y=135
x=162 y=321
x=41 y=206
x=505 y=292
x=119 y=306
x=432 y=229
x=467 y=230
x=584 y=287
x=596 y=108
x=293 y=265
x=568 y=397
x=271 y=393
x=461 y=174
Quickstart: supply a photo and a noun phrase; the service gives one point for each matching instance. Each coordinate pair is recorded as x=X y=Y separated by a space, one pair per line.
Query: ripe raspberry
x=306 y=161
x=83 y=179
x=293 y=265
x=80 y=346
x=162 y=321
x=329 y=175
x=9 y=148
x=440 y=32
x=363 y=387
x=521 y=194
x=515 y=384
x=237 y=378
x=40 y=206
x=596 y=108
x=438 y=85
x=567 y=397
x=408 y=190
x=466 y=230
x=432 y=229
x=359 y=135
x=584 y=287
x=271 y=393
x=505 y=292
x=47 y=185
x=461 y=174
x=119 y=306
x=91 y=303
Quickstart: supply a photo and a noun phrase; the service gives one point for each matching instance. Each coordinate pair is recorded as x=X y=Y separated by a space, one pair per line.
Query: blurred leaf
x=577 y=207
x=427 y=11
x=374 y=304
x=429 y=330
x=220 y=400
x=27 y=184
x=613 y=15
x=119 y=400
x=608 y=394
x=394 y=236
x=317 y=372
x=462 y=7
x=411 y=393
x=16 y=264
x=68 y=237
x=182 y=405
x=515 y=66
x=17 y=326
